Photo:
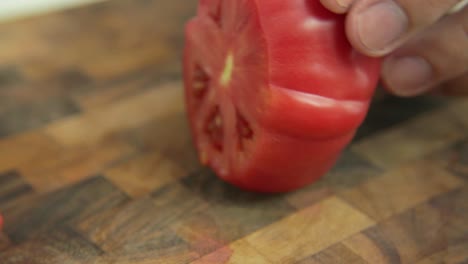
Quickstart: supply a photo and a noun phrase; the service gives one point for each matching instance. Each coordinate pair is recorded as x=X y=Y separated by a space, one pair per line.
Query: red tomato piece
x=274 y=90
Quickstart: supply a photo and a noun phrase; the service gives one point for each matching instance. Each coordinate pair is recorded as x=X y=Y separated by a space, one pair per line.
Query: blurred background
x=14 y=9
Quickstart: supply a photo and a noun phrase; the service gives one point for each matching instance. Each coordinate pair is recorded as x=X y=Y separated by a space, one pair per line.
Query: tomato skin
x=282 y=163
x=293 y=78
x=310 y=116
x=309 y=51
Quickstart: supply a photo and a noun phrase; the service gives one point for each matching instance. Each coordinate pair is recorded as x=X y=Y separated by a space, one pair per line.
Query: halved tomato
x=274 y=90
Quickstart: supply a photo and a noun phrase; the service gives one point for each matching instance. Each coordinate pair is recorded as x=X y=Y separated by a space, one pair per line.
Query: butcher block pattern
x=97 y=164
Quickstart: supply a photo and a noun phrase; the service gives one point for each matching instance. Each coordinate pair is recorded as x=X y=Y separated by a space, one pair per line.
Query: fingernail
x=407 y=76
x=344 y=3
x=380 y=25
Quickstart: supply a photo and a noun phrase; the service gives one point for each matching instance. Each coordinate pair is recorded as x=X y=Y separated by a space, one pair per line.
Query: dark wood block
x=22 y=117
x=43 y=213
x=438 y=225
x=142 y=225
x=132 y=229
x=12 y=188
x=61 y=245
x=454 y=209
x=232 y=214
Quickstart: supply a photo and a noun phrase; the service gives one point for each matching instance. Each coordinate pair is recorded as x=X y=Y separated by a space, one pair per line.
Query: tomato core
x=228 y=68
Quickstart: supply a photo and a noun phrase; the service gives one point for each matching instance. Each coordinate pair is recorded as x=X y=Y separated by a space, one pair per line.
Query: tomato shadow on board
x=206 y=184
x=387 y=111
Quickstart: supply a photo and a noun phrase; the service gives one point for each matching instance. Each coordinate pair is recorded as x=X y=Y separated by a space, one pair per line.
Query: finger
x=377 y=27
x=436 y=56
x=337 y=6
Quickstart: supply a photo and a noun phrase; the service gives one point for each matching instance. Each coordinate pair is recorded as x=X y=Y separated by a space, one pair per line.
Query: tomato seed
x=200 y=81
x=199 y=85
x=217 y=121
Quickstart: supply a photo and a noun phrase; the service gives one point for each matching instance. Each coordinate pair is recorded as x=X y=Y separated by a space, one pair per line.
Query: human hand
x=424 y=42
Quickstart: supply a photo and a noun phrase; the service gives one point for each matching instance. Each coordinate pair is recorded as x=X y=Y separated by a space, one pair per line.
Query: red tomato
x=274 y=90
x=1 y=222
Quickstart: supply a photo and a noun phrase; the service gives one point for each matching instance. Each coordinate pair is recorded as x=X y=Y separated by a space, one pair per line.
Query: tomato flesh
x=274 y=91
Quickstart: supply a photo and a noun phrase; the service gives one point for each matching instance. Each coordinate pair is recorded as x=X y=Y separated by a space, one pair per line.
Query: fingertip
x=337 y=6
x=407 y=76
x=365 y=30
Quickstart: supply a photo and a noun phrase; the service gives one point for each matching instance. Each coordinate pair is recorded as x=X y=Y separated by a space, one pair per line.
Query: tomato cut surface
x=274 y=91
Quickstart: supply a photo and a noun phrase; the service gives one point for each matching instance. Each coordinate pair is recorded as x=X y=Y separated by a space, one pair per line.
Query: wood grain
x=74 y=164
x=44 y=212
x=400 y=189
x=308 y=231
x=130 y=113
x=61 y=245
x=97 y=164
x=416 y=138
x=141 y=174
x=416 y=233
x=336 y=254
x=20 y=149
x=239 y=252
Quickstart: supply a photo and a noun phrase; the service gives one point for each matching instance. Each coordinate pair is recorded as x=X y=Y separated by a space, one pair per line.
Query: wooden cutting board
x=97 y=166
